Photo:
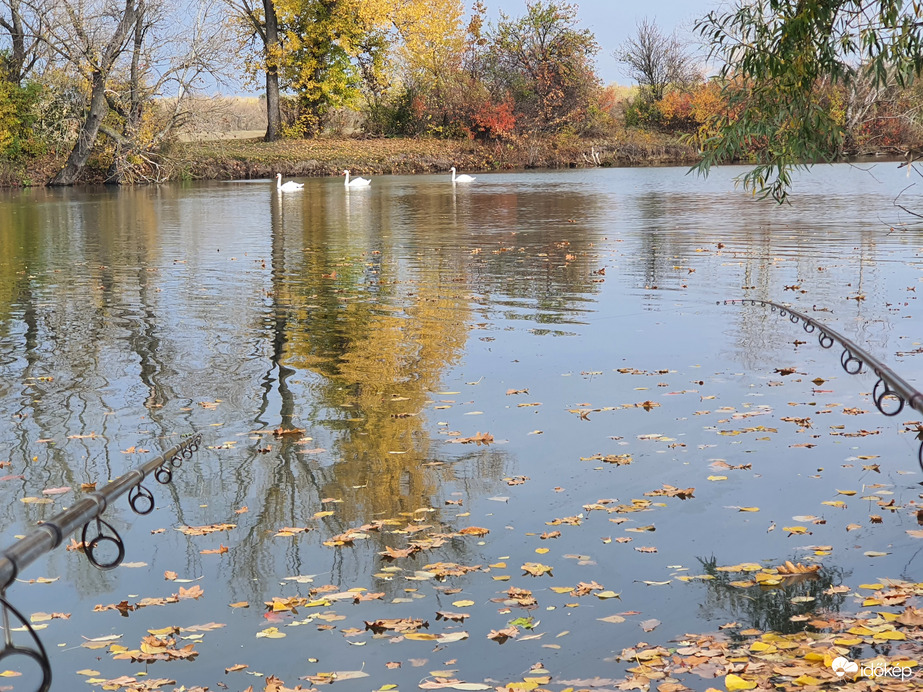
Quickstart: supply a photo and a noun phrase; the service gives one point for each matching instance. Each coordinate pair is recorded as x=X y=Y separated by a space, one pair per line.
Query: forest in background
x=116 y=91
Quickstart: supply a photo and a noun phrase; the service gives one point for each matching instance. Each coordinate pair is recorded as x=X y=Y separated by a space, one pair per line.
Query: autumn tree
x=170 y=51
x=545 y=61
x=321 y=37
x=420 y=69
x=117 y=59
x=260 y=24
x=20 y=53
x=656 y=60
x=91 y=37
x=328 y=52
x=22 y=26
x=773 y=55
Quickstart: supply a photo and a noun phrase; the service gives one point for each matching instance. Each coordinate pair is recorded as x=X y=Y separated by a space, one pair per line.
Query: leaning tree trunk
x=273 y=102
x=87 y=136
x=126 y=145
x=98 y=75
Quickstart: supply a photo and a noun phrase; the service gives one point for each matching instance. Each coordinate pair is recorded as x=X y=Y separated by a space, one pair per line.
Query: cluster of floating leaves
x=884 y=644
x=736 y=658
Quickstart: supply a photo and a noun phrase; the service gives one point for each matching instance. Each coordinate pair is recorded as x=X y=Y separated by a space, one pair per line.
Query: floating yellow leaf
x=890 y=635
x=735 y=682
x=717 y=478
x=848 y=493
x=806 y=680
x=271 y=633
x=462 y=604
x=536 y=569
x=851 y=641
x=762 y=647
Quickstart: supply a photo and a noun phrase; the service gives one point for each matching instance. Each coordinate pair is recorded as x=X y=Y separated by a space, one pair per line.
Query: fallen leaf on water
x=536 y=569
x=192 y=592
x=502 y=635
x=735 y=682
x=612 y=619
x=204 y=530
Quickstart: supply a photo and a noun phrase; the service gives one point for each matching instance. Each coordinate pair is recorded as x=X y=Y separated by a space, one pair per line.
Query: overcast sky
x=613 y=21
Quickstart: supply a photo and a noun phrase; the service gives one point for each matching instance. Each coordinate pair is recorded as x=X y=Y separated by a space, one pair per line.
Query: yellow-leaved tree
x=330 y=53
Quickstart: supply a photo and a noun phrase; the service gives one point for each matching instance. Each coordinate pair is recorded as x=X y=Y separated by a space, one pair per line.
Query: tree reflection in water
x=771 y=608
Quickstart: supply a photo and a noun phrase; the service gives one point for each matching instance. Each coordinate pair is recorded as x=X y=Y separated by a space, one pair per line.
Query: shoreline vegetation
x=247 y=159
x=413 y=87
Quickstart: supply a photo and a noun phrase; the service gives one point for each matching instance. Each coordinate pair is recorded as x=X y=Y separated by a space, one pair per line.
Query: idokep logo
x=843 y=666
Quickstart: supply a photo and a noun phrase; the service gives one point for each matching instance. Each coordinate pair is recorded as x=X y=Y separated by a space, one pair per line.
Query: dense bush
x=18 y=116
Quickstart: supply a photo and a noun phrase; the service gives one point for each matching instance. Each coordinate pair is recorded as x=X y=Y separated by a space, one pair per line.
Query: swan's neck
x=453 y=175
x=347 y=179
x=278 y=182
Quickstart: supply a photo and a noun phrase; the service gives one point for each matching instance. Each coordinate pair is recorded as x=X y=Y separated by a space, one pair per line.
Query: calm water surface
x=390 y=323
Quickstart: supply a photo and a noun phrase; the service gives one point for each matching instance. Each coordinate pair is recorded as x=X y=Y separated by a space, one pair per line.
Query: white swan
x=461 y=178
x=290 y=186
x=356 y=182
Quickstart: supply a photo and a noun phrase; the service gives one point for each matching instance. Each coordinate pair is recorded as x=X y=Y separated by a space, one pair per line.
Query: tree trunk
x=87 y=137
x=125 y=146
x=18 y=54
x=273 y=102
x=99 y=106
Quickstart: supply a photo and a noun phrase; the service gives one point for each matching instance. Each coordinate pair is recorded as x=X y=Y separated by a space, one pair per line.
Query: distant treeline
x=112 y=86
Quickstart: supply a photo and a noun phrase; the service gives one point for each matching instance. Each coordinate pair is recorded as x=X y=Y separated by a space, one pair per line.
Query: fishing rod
x=889 y=387
x=86 y=513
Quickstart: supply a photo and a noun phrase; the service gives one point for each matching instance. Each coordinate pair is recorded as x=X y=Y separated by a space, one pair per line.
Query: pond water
x=491 y=356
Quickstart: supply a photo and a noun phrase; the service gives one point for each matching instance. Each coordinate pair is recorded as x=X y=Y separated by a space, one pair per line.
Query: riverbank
x=244 y=159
